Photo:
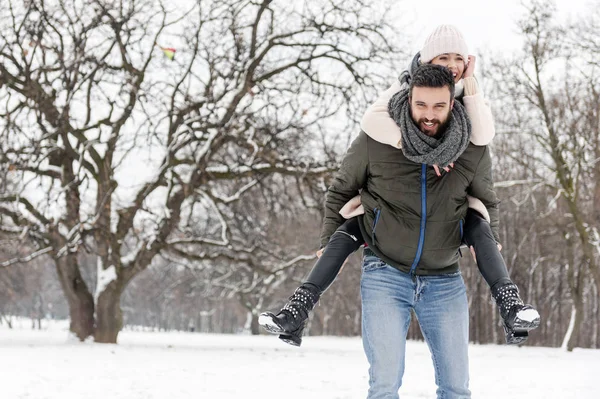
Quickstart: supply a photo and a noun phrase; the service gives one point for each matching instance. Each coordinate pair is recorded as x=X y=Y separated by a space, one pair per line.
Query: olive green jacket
x=413 y=219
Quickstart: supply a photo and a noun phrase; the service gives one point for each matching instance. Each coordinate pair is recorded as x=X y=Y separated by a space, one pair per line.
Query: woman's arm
x=479 y=112
x=377 y=122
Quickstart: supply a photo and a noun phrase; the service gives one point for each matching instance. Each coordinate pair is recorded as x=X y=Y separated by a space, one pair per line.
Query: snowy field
x=46 y=364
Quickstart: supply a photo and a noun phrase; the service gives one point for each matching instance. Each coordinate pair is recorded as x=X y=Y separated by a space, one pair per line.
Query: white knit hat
x=444 y=39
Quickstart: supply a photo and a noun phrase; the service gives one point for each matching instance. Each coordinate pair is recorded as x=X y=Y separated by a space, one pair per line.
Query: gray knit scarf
x=421 y=148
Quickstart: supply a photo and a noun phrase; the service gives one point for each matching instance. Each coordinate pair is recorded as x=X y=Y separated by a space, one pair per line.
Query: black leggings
x=478 y=234
x=348 y=238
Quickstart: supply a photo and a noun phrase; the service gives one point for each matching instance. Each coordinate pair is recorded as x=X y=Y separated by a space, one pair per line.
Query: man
x=413 y=228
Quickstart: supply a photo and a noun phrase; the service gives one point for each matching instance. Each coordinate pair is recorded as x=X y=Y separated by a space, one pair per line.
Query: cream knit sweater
x=378 y=124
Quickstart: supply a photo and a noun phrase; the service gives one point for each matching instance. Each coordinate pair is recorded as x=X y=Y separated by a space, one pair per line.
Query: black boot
x=518 y=318
x=292 y=318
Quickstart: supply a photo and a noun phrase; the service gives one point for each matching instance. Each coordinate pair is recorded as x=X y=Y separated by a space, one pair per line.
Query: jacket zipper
x=377 y=214
x=423 y=219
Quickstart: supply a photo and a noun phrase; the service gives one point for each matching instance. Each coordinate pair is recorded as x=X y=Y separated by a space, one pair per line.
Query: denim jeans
x=440 y=304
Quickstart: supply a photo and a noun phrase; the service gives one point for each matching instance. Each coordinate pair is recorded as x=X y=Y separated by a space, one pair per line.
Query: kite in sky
x=168 y=51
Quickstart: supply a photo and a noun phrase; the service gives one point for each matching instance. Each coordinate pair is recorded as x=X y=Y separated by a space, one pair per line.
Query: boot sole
x=290 y=339
x=515 y=337
x=520 y=330
x=269 y=323
x=526 y=325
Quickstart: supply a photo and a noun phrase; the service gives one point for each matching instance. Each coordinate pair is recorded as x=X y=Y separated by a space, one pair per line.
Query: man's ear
x=452 y=104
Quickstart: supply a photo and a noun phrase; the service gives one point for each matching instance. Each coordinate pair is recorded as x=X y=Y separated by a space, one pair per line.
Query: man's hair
x=429 y=75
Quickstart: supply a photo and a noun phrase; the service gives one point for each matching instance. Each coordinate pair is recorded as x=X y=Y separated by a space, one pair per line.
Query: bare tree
x=121 y=151
x=557 y=121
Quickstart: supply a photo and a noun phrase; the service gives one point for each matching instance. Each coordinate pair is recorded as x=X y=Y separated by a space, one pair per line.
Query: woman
x=445 y=46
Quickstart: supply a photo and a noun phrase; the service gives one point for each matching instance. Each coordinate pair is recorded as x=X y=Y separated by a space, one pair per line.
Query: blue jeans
x=440 y=303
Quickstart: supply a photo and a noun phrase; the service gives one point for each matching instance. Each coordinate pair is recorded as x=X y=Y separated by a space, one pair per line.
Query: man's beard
x=433 y=132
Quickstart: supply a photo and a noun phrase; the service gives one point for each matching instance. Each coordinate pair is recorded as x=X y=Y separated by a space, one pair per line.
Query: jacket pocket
x=461 y=230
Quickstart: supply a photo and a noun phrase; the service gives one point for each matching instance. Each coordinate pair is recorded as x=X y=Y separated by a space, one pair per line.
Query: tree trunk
x=79 y=299
x=595 y=318
x=109 y=317
x=494 y=311
x=252 y=323
x=574 y=325
x=254 y=326
x=577 y=309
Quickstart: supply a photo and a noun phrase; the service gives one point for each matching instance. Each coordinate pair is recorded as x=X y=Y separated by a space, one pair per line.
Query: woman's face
x=454 y=62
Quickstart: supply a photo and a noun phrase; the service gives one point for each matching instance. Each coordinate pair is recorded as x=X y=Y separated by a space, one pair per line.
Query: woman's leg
x=518 y=318
x=291 y=319
x=346 y=239
x=478 y=234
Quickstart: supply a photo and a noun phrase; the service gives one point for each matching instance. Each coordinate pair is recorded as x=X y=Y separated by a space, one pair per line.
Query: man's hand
x=320 y=252
x=470 y=69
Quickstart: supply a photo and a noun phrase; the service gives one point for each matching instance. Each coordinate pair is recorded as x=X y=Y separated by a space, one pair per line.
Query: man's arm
x=347 y=182
x=482 y=187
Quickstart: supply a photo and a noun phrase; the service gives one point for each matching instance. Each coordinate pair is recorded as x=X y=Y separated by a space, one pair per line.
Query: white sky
x=484 y=23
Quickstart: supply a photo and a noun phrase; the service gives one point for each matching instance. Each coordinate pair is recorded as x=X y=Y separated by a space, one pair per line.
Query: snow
x=268 y=322
x=130 y=257
x=148 y=365
x=54 y=169
x=528 y=315
x=105 y=277
x=596 y=240
x=28 y=258
x=570 y=329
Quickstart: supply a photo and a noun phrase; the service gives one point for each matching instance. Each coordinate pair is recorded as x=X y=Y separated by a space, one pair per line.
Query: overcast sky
x=484 y=23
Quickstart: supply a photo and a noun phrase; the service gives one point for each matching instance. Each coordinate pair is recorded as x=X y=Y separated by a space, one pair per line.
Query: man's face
x=430 y=108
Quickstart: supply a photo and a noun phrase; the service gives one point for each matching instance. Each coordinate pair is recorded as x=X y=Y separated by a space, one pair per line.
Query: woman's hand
x=320 y=252
x=447 y=169
x=473 y=251
x=470 y=69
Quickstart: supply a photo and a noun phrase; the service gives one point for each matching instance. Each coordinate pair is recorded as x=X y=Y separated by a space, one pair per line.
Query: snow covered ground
x=46 y=364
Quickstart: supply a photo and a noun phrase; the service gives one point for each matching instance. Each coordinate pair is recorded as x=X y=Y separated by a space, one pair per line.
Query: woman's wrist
x=471 y=86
